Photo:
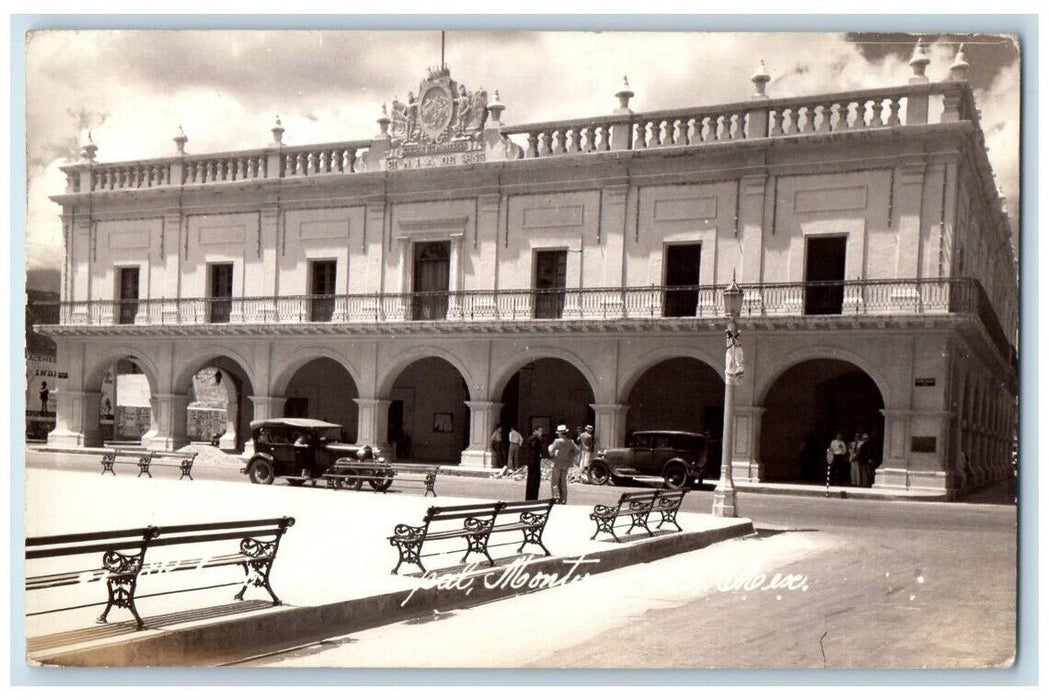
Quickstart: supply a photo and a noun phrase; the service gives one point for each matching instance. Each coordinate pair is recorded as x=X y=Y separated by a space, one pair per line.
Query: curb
x=239 y=639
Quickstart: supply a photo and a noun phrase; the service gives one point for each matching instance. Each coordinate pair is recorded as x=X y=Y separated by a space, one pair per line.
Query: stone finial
x=624 y=96
x=760 y=79
x=495 y=109
x=180 y=140
x=960 y=67
x=89 y=149
x=278 y=132
x=384 y=123
x=919 y=61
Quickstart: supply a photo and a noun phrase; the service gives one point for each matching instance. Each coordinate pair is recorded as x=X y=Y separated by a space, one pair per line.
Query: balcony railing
x=848 y=298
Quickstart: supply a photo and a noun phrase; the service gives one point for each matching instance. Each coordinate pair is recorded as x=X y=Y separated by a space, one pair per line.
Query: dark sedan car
x=300 y=450
x=677 y=458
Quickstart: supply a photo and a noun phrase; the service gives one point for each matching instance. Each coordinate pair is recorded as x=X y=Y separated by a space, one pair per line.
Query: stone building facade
x=455 y=273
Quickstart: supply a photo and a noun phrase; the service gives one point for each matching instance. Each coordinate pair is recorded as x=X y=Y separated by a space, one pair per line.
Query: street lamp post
x=725 y=493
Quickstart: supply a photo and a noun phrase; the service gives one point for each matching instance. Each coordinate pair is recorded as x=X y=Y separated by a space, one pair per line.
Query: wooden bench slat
x=127 y=566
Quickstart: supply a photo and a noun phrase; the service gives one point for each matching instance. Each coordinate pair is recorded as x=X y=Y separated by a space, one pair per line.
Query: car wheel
x=675 y=476
x=383 y=483
x=598 y=474
x=260 y=472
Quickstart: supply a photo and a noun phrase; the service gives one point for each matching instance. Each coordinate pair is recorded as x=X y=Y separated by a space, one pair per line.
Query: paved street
x=878 y=584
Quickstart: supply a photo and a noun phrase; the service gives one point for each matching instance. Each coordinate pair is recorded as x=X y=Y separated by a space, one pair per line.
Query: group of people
x=566 y=454
x=850 y=464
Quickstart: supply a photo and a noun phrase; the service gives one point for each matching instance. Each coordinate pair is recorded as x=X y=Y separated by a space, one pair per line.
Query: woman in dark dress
x=534 y=450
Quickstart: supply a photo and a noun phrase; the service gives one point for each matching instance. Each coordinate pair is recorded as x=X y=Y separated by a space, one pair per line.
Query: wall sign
x=925 y=381
x=923 y=444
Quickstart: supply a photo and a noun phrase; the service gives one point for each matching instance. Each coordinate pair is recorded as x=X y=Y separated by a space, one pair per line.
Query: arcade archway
x=682 y=393
x=325 y=390
x=219 y=410
x=428 y=416
x=805 y=407
x=547 y=392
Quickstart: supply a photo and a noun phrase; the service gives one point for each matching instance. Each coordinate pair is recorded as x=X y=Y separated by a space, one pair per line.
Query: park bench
x=182 y=460
x=474 y=524
x=348 y=473
x=144 y=459
x=66 y=560
x=139 y=457
x=638 y=506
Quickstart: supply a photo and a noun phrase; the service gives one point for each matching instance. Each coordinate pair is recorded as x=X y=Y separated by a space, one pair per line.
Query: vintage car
x=302 y=449
x=677 y=458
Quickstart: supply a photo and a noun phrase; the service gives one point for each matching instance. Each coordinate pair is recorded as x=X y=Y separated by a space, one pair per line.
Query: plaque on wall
x=922 y=443
x=925 y=381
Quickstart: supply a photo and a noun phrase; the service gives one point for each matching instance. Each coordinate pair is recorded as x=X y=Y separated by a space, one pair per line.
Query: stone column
x=168 y=428
x=76 y=419
x=746 y=435
x=609 y=425
x=892 y=473
x=373 y=421
x=265 y=408
x=484 y=415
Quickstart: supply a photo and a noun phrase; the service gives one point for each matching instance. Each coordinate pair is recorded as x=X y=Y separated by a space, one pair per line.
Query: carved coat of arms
x=443 y=111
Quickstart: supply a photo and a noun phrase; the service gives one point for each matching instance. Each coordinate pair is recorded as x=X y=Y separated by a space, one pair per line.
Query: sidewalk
x=332 y=571
x=206 y=454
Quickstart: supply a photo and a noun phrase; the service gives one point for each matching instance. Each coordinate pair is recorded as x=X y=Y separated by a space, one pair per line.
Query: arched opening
x=806 y=407
x=546 y=392
x=124 y=412
x=428 y=417
x=681 y=393
x=323 y=389
x=219 y=411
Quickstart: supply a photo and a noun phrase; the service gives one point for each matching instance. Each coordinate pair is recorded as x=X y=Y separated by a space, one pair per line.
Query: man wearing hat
x=563 y=452
x=586 y=449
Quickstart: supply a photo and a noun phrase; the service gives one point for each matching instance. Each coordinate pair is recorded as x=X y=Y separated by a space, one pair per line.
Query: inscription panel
x=685 y=209
x=830 y=199
x=552 y=217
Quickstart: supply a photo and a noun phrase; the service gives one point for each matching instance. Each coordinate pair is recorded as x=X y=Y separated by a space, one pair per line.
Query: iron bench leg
x=639 y=519
x=107 y=465
x=143 y=467
x=257 y=569
x=533 y=532
x=121 y=583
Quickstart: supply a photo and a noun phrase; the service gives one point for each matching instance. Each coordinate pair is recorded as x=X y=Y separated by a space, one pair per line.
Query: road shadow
x=762 y=533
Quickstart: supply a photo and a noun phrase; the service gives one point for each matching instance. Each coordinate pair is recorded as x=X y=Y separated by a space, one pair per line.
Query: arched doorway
x=681 y=393
x=428 y=417
x=219 y=409
x=323 y=389
x=805 y=407
x=124 y=412
x=546 y=392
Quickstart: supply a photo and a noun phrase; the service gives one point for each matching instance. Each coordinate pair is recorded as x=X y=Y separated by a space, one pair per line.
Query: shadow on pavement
x=761 y=533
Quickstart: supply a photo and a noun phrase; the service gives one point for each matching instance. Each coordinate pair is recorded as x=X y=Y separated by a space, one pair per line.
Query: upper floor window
x=681 y=277
x=220 y=292
x=824 y=274
x=550 y=276
x=127 y=294
x=322 y=290
x=432 y=261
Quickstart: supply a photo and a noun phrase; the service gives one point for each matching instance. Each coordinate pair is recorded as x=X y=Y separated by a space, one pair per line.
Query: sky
x=134 y=89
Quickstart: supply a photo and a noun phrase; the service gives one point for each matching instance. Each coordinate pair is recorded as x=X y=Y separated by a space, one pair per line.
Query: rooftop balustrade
x=862 y=110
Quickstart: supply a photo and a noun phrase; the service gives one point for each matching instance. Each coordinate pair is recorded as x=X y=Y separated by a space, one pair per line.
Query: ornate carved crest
x=444 y=111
